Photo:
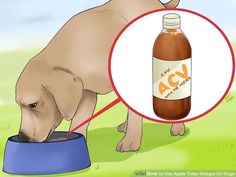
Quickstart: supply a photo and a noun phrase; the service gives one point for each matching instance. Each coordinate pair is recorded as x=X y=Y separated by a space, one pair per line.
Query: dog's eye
x=33 y=105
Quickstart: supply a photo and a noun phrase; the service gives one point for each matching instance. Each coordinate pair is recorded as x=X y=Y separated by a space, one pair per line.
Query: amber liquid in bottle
x=172 y=46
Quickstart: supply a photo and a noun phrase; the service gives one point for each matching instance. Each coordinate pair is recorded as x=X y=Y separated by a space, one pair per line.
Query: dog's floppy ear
x=66 y=89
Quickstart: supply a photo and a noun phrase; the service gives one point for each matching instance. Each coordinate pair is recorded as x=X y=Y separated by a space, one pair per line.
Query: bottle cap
x=171 y=21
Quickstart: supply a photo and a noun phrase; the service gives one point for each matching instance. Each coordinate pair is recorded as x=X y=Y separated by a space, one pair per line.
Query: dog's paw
x=177 y=129
x=122 y=127
x=127 y=144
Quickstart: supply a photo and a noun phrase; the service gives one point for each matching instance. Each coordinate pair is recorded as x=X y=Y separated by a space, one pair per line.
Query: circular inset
x=32 y=158
x=130 y=63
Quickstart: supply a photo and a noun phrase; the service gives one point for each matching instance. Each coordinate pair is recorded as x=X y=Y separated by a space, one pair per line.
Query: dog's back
x=83 y=43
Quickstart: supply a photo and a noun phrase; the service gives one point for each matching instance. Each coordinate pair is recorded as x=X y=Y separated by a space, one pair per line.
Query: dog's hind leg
x=84 y=111
x=177 y=129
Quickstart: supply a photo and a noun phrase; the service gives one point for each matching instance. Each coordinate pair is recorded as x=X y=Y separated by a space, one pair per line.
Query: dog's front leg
x=84 y=111
x=133 y=136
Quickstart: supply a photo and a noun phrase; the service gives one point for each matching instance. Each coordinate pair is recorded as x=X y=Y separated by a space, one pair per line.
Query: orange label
x=171 y=79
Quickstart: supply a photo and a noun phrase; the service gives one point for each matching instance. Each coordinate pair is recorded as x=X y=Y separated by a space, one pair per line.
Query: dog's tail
x=172 y=4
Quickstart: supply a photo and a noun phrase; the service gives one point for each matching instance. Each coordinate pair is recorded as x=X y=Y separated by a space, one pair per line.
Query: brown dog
x=64 y=79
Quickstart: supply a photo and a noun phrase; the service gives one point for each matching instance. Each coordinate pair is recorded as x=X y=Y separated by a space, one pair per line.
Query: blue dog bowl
x=30 y=158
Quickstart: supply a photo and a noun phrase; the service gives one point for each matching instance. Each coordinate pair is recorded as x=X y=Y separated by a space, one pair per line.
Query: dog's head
x=45 y=98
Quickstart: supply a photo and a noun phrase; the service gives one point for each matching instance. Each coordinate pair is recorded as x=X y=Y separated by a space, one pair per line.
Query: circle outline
x=172 y=9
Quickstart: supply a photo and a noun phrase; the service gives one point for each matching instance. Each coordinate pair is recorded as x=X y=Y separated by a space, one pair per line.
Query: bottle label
x=171 y=79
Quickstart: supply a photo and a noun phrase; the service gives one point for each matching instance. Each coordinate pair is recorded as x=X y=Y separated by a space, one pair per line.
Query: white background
x=131 y=63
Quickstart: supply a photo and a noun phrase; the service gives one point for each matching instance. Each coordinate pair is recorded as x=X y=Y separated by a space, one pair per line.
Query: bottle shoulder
x=172 y=45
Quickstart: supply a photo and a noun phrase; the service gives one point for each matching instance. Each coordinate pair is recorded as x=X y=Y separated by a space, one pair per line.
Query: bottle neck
x=174 y=26
x=172 y=29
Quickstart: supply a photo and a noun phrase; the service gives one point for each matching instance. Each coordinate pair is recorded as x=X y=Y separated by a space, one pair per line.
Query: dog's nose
x=23 y=137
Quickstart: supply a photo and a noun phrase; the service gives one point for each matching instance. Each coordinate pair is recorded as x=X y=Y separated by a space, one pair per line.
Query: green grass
x=210 y=143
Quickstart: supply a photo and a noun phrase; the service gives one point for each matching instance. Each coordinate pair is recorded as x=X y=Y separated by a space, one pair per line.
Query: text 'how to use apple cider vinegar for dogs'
x=172 y=71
